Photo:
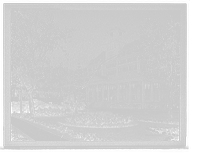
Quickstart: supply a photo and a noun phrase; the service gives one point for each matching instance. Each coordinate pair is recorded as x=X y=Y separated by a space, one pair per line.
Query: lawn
x=20 y=134
x=132 y=133
x=155 y=115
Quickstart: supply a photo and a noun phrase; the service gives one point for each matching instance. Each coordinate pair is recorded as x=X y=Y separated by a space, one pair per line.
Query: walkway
x=33 y=132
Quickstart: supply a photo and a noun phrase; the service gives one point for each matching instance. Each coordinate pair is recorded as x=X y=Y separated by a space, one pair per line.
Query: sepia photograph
x=95 y=76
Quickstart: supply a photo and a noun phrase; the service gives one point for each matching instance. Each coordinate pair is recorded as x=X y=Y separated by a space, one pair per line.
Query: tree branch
x=96 y=69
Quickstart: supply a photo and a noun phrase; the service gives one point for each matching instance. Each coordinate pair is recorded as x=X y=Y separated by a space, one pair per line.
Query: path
x=33 y=132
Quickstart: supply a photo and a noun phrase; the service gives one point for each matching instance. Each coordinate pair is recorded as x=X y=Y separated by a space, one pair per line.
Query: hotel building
x=120 y=78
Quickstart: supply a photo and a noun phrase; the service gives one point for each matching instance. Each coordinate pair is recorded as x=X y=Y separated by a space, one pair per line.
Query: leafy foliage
x=99 y=120
x=160 y=49
x=125 y=106
x=49 y=112
x=75 y=100
x=33 y=35
x=17 y=137
x=153 y=105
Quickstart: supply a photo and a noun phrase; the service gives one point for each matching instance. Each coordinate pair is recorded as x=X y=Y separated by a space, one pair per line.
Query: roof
x=98 y=59
x=130 y=45
x=103 y=77
x=116 y=28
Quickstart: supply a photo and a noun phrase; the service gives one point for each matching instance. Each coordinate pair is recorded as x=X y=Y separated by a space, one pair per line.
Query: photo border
x=95 y=145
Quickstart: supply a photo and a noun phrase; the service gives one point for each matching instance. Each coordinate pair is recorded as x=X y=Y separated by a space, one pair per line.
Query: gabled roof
x=116 y=28
x=130 y=45
x=103 y=77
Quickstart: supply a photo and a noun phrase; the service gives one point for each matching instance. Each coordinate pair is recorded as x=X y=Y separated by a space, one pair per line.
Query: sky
x=90 y=40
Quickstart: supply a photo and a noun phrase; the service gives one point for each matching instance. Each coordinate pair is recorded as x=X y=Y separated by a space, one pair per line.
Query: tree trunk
x=31 y=104
x=20 y=101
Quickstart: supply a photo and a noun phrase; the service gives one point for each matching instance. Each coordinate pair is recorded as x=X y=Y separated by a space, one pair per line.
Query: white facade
x=121 y=80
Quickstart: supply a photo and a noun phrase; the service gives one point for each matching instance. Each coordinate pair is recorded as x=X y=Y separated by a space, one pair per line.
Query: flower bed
x=172 y=132
x=98 y=119
x=49 y=112
x=17 y=137
x=125 y=106
x=157 y=121
x=153 y=105
x=61 y=128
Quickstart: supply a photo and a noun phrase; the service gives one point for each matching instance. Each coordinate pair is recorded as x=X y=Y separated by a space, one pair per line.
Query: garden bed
x=18 y=135
x=60 y=128
x=125 y=106
x=99 y=120
x=172 y=132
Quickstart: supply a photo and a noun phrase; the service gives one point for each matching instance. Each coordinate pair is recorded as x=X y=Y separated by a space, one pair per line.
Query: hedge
x=153 y=105
x=125 y=106
x=15 y=106
x=99 y=120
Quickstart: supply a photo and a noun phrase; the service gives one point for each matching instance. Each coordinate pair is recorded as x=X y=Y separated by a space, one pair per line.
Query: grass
x=20 y=133
x=52 y=131
x=134 y=133
x=155 y=115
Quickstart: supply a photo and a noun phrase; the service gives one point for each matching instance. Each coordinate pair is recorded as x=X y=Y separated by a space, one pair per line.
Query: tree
x=17 y=80
x=75 y=98
x=33 y=36
x=161 y=54
x=77 y=77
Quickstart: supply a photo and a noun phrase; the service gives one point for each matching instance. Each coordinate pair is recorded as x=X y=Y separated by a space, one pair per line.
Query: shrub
x=135 y=106
x=17 y=137
x=49 y=112
x=153 y=105
x=99 y=120
x=75 y=100
x=125 y=106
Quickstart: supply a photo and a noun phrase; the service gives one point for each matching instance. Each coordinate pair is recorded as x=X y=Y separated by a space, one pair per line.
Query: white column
x=93 y=93
x=129 y=92
x=90 y=93
x=151 y=94
x=86 y=93
x=108 y=88
x=158 y=91
x=44 y=95
x=102 y=92
x=138 y=65
x=97 y=93
x=118 y=92
x=143 y=94
x=14 y=95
